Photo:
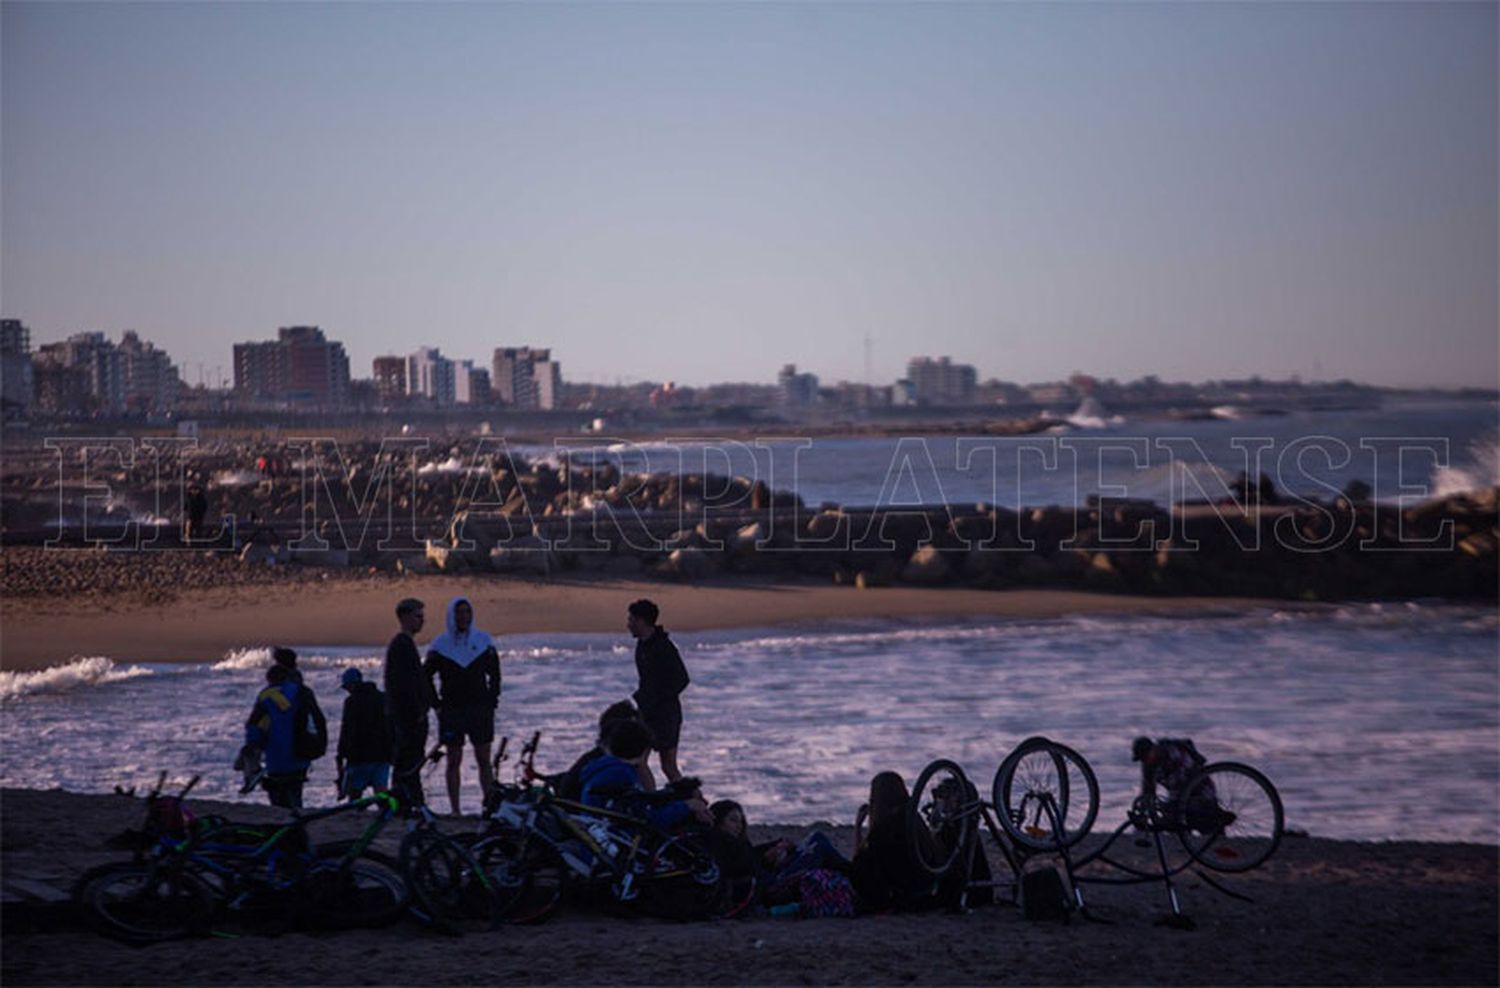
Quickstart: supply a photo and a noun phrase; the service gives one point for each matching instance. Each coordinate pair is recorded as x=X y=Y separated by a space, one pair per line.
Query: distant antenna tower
x=868 y=381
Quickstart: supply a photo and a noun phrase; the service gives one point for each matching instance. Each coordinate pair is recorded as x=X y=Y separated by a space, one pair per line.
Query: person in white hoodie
x=464 y=669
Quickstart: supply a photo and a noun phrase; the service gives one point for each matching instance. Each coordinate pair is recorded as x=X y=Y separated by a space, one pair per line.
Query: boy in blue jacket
x=614 y=777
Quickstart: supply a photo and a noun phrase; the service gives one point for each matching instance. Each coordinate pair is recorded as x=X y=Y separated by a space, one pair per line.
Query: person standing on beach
x=408 y=698
x=272 y=729
x=364 y=752
x=195 y=507
x=663 y=677
x=463 y=671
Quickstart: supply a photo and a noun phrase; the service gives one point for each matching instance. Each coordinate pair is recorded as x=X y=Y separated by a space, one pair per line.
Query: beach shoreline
x=203 y=625
x=1324 y=912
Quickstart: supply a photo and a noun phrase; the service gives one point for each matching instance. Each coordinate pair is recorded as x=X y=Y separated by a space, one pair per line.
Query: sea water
x=1375 y=721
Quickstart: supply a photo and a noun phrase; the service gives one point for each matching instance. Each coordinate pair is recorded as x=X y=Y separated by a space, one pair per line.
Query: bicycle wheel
x=528 y=875
x=683 y=882
x=365 y=891
x=448 y=887
x=144 y=902
x=1045 y=795
x=1229 y=817
x=940 y=816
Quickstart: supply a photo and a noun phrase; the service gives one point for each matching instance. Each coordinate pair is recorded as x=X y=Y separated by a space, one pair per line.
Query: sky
x=704 y=192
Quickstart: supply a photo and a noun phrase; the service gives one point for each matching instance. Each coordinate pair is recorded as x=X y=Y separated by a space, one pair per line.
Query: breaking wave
x=93 y=671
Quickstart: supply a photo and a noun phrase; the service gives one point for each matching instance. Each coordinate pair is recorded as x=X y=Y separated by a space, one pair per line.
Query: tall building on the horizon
x=430 y=375
x=797 y=390
x=17 y=383
x=941 y=381
x=301 y=365
x=526 y=377
x=471 y=385
x=390 y=378
x=98 y=367
x=151 y=379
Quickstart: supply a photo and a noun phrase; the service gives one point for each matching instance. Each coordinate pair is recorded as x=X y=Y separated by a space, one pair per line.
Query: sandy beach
x=200 y=626
x=1324 y=912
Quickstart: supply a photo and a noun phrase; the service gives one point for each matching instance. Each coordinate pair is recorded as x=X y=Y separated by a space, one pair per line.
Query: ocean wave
x=1483 y=472
x=92 y=671
x=259 y=657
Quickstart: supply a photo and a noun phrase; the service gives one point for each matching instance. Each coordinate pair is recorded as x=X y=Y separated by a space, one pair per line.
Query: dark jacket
x=364 y=734
x=408 y=695
x=613 y=782
x=886 y=876
x=662 y=674
x=474 y=685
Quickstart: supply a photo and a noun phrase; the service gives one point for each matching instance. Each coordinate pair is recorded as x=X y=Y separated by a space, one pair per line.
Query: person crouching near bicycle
x=613 y=781
x=1172 y=763
x=464 y=661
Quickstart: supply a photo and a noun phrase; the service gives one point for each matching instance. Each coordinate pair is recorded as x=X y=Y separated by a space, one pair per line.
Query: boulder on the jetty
x=689 y=563
x=926 y=566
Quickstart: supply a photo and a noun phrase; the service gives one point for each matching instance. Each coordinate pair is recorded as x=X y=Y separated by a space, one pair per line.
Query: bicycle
x=1227 y=817
x=541 y=847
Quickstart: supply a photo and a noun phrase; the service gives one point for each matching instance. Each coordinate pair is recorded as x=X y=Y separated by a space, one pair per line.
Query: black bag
x=309 y=726
x=1043 y=897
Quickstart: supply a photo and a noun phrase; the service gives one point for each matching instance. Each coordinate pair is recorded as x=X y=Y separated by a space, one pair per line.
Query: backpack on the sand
x=309 y=726
x=1043 y=896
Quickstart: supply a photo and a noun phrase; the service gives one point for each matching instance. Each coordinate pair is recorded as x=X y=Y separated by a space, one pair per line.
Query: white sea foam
x=1482 y=472
x=93 y=671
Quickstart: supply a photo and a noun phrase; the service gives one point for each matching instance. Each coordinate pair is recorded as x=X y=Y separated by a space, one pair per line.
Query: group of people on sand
x=383 y=737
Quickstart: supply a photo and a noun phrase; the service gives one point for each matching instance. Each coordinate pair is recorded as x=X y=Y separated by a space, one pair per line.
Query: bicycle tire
x=448 y=887
x=368 y=891
x=683 y=882
x=1039 y=771
x=528 y=874
x=939 y=830
x=1241 y=841
x=144 y=902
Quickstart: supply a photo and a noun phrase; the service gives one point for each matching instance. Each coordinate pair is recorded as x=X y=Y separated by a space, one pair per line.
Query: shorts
x=359 y=776
x=477 y=723
x=664 y=723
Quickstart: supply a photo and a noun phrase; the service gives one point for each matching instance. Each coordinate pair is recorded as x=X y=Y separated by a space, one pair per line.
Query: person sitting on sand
x=408 y=698
x=663 y=677
x=775 y=865
x=613 y=780
x=364 y=752
x=570 y=786
x=884 y=873
x=463 y=669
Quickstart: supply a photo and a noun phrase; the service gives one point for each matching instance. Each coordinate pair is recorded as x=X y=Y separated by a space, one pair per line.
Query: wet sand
x=202 y=625
x=1325 y=913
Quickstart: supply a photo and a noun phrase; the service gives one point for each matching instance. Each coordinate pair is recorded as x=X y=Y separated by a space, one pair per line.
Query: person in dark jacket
x=663 y=677
x=269 y=732
x=570 y=785
x=612 y=780
x=885 y=873
x=463 y=670
x=364 y=753
x=408 y=698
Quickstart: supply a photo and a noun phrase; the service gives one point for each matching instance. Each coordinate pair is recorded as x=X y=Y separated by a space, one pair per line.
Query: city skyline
x=706 y=193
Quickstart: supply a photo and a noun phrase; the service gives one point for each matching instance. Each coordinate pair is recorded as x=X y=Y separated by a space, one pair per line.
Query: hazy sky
x=705 y=192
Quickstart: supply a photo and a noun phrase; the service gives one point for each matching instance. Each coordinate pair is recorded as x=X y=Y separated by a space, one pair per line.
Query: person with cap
x=408 y=698
x=364 y=752
x=464 y=671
